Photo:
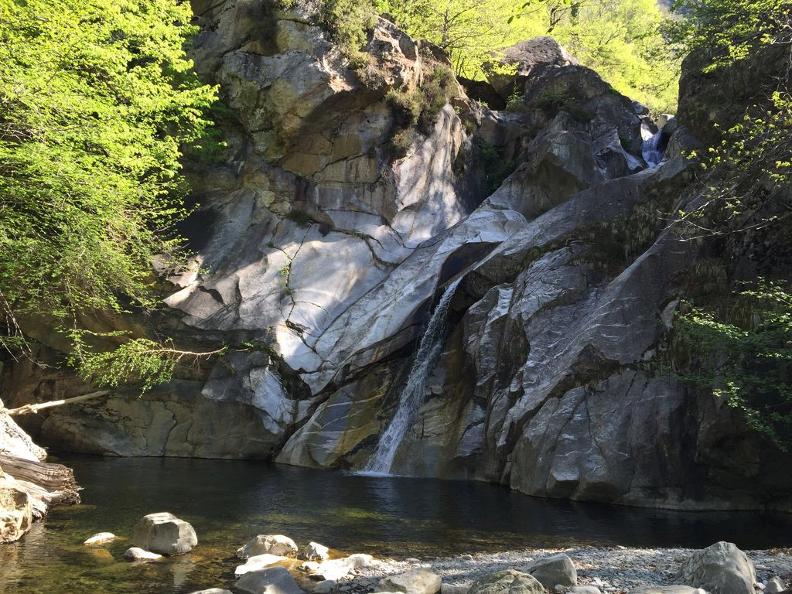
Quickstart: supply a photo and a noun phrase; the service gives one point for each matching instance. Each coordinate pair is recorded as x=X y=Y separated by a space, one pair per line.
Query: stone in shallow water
x=164 y=533
x=258 y=562
x=213 y=591
x=554 y=570
x=416 y=581
x=314 y=551
x=272 y=544
x=721 y=568
x=508 y=581
x=775 y=585
x=138 y=554
x=584 y=590
x=100 y=538
x=275 y=580
x=337 y=568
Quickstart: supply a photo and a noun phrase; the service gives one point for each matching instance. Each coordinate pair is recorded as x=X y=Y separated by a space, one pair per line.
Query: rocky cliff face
x=323 y=247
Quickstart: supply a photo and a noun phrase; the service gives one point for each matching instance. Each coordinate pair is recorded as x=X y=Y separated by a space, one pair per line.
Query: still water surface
x=228 y=502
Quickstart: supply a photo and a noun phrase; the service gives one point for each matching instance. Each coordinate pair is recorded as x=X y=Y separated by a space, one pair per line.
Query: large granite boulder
x=275 y=580
x=721 y=568
x=271 y=544
x=508 y=581
x=416 y=581
x=164 y=533
x=556 y=570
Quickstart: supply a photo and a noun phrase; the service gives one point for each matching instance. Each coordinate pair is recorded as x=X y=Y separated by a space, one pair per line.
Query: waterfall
x=411 y=397
x=652 y=149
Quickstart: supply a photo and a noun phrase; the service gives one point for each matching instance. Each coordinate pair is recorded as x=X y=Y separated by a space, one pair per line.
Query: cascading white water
x=411 y=397
x=650 y=150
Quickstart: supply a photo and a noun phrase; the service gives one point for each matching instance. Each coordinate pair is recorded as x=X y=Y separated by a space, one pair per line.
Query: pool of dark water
x=228 y=502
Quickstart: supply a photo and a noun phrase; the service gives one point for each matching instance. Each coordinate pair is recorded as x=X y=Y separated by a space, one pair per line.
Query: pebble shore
x=612 y=569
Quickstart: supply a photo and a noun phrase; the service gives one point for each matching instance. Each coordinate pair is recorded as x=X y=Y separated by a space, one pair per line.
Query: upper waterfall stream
x=411 y=397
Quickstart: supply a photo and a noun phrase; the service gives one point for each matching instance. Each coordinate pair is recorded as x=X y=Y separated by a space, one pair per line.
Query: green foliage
x=620 y=39
x=139 y=360
x=743 y=353
x=745 y=179
x=348 y=23
x=97 y=99
x=728 y=30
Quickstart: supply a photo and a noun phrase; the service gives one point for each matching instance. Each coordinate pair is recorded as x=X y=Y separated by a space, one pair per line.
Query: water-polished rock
x=416 y=581
x=138 y=554
x=213 y=591
x=508 y=581
x=272 y=544
x=314 y=551
x=335 y=569
x=258 y=562
x=556 y=570
x=164 y=533
x=721 y=568
x=584 y=590
x=775 y=585
x=275 y=580
x=100 y=538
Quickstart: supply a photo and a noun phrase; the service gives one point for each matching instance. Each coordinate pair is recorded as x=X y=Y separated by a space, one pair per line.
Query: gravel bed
x=613 y=570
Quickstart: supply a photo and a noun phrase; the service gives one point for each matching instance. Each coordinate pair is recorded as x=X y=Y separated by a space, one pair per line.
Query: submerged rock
x=164 y=533
x=138 y=554
x=272 y=544
x=100 y=538
x=673 y=589
x=416 y=581
x=275 y=580
x=213 y=591
x=508 y=581
x=257 y=562
x=721 y=568
x=557 y=570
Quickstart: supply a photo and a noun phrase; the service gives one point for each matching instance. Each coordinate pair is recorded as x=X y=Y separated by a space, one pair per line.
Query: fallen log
x=56 y=483
x=34 y=408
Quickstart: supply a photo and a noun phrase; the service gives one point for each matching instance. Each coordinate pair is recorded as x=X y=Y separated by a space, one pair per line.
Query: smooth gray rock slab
x=164 y=533
x=275 y=580
x=213 y=591
x=416 y=581
x=584 y=590
x=508 y=581
x=721 y=568
x=775 y=585
x=554 y=571
x=272 y=544
x=257 y=562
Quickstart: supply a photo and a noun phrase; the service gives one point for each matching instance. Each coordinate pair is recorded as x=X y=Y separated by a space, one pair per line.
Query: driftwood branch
x=56 y=480
x=34 y=408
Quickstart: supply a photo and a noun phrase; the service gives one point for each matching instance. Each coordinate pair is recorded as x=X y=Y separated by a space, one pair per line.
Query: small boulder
x=314 y=551
x=336 y=568
x=508 y=581
x=275 y=580
x=721 y=568
x=416 y=581
x=164 y=533
x=774 y=585
x=213 y=591
x=557 y=570
x=100 y=538
x=138 y=554
x=673 y=589
x=273 y=544
x=258 y=562
x=324 y=587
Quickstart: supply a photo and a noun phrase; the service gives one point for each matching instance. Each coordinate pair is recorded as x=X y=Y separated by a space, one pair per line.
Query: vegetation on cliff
x=97 y=99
